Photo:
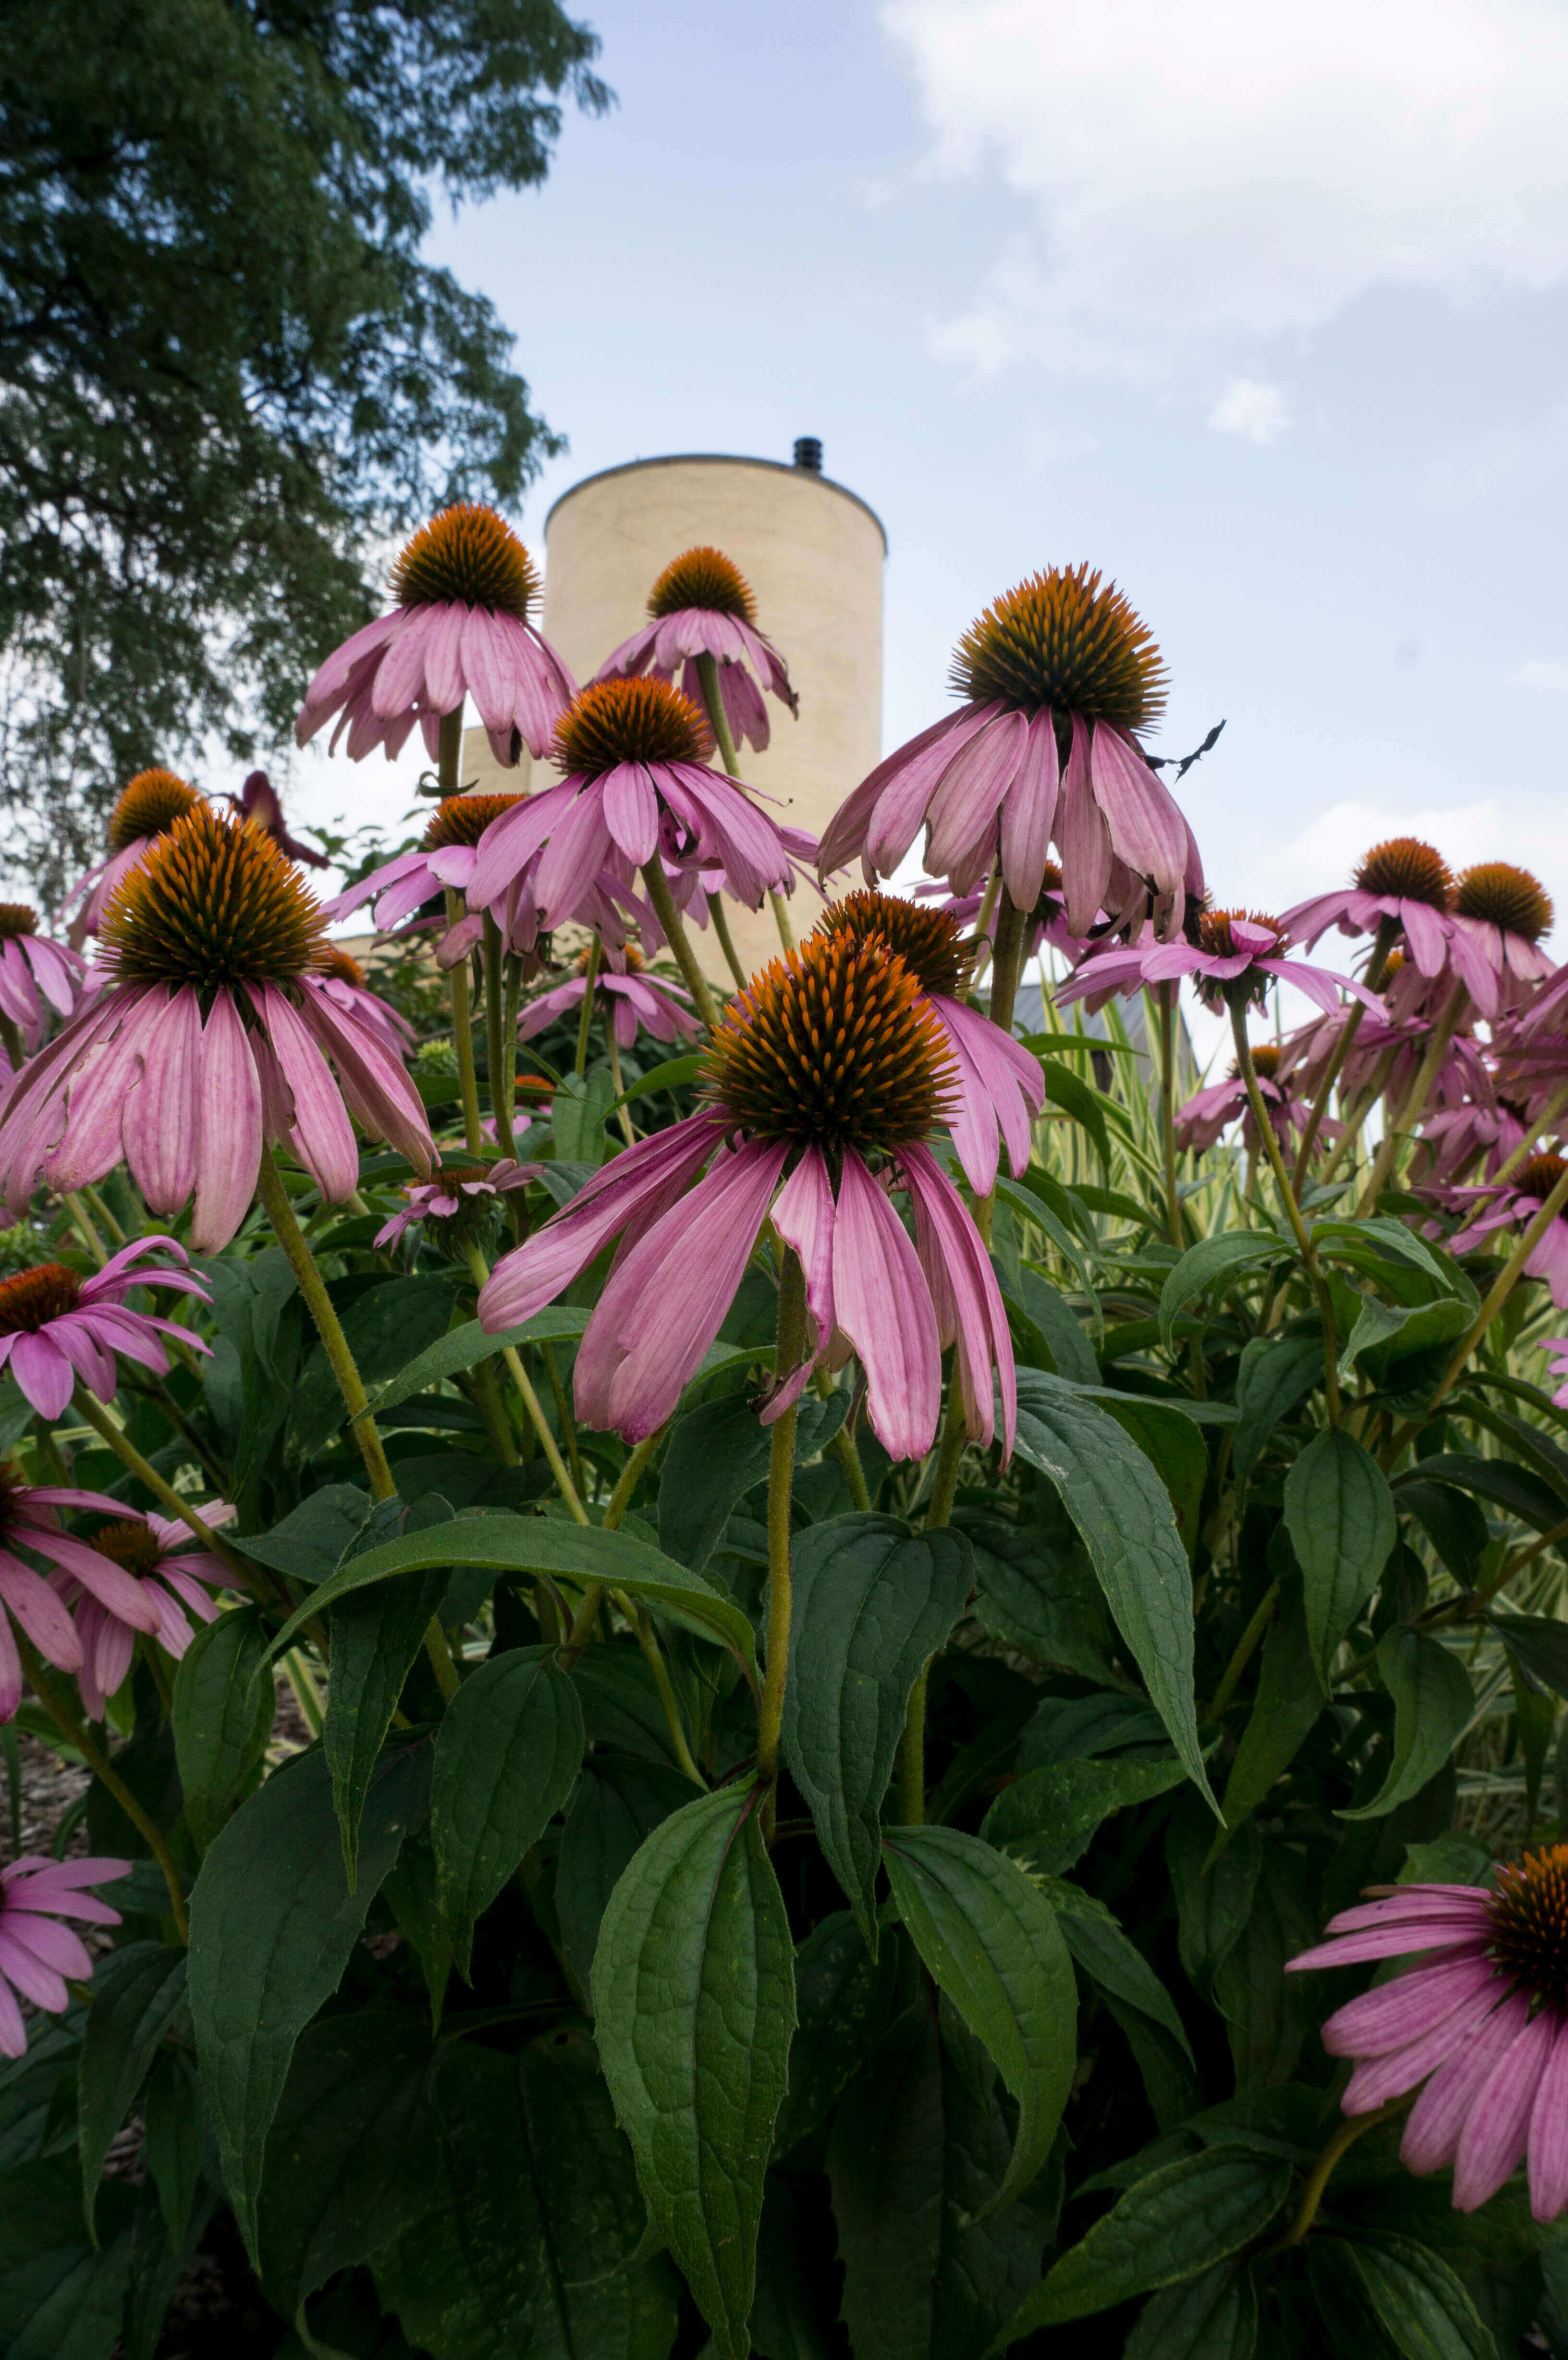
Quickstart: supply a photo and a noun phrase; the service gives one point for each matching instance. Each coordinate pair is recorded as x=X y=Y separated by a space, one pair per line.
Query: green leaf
x=1538 y=1641
x=1339 y=1513
x=376 y=1636
x=1211 y=2318
x=1433 y=1705
x=1178 y=2222
x=507 y=1753
x=577 y=1116
x=221 y=1717
x=466 y=1346
x=1051 y=1813
x=172 y=2122
x=1391 y=1242
x=694 y=1994
x=272 y=1925
x=583 y=1553
x=138 y=1993
x=527 y=2243
x=314 y=1538
x=1419 y=2304
x=674 y=1074
x=1122 y=1511
x=1453 y=1525
x=1113 y=1964
x=919 y=2150
x=1213 y=1262
x=1213 y=1902
x=843 y=1996
x=384 y=1324
x=716 y=1452
x=1175 y=1447
x=1268 y=2012
x=1518 y=1489
x=1277 y=1374
x=1284 y=1711
x=619 y=1801
x=872 y=1604
x=1048 y=1326
x=992 y=1943
x=349 y=2157
x=1037 y=1592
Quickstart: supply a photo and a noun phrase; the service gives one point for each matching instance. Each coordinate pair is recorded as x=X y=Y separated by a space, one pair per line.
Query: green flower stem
x=564 y=1416
x=983 y=919
x=792 y=1345
x=1404 y=1123
x=1503 y=1287
x=502 y=1046
x=155 y=1390
x=1165 y=994
x=1356 y=1116
x=449 y=762
x=641 y=1623
x=100 y=1209
x=1353 y=2127
x=844 y=1449
x=713 y=698
x=944 y=1489
x=12 y=1039
x=1265 y=1129
x=680 y=942
x=479 y=1269
x=624 y=1111
x=90 y=1238
x=721 y=926
x=620 y=1500
x=492 y=1409
x=1242 y=1654
x=1542 y=1128
x=586 y=1020
x=1388 y=935
x=92 y=1413
x=78 y=1734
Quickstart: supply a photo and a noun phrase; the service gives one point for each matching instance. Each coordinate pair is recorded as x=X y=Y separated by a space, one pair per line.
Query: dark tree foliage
x=224 y=370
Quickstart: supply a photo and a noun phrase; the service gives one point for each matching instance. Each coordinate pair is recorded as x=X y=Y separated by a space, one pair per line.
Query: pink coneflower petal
x=1549 y=2132
x=231 y=1129
x=1497 y=2125
x=1377 y=2079
x=44 y=1373
x=1082 y=836
x=46 y=1940
x=38 y=1609
x=963 y=810
x=577 y=850
x=964 y=1291
x=631 y=810
x=1399 y=2012
x=906 y=778
x=161 y=1127
x=43 y=1985
x=321 y=1129
x=1387 y=1943
x=1028 y=814
x=883 y=1305
x=109 y=1583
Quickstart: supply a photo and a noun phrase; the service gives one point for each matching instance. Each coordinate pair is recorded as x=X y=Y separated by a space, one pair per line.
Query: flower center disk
x=833 y=1044
x=1539 y=1175
x=462 y=819
x=34 y=1297
x=466 y=556
x=930 y=942
x=641 y=720
x=214 y=902
x=149 y=805
x=1216 y=935
x=341 y=966
x=703 y=577
x=1265 y=1061
x=1529 y=1923
x=1409 y=869
x=1505 y=896
x=16 y=918
x=133 y=1545
x=1060 y=640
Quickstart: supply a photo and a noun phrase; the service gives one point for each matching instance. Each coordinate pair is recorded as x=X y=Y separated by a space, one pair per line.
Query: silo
x=813 y=551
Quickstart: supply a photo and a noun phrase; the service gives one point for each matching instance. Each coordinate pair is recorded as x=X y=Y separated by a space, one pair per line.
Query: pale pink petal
x=1402 y=2011
x=38 y=1609
x=44 y=1373
x=803 y=1217
x=1082 y=836
x=109 y=1583
x=322 y=1132
x=229 y=1115
x=1549 y=2132
x=160 y=1121
x=950 y=1245
x=883 y=815
x=883 y=1306
x=444 y=658
x=399 y=678
x=1497 y=2125
x=1028 y=814
x=631 y=810
x=577 y=849
x=962 y=814
x=1377 y=2079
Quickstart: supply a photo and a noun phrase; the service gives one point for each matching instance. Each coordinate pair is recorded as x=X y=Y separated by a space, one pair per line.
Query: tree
x=225 y=372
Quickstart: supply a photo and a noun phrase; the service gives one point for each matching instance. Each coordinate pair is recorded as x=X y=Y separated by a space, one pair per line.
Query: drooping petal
x=1082 y=837
x=321 y=1131
x=1377 y=2079
x=38 y=1608
x=1497 y=2125
x=631 y=810
x=1029 y=814
x=882 y=1304
x=229 y=1117
x=44 y=1373
x=1549 y=2133
x=962 y=813
x=882 y=835
x=160 y=1125
x=1399 y=2012
x=950 y=1248
x=109 y=1583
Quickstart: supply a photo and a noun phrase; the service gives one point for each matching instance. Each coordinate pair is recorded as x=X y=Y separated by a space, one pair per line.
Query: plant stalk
x=1249 y=1073
x=585 y=1021
x=92 y=1413
x=620 y=1500
x=714 y=699
x=1503 y=1287
x=502 y=1046
x=103 y=1769
x=792 y=1345
x=1543 y=1125
x=1165 y=993
x=1353 y=2127
x=721 y=926
x=1388 y=935
x=275 y=1202
x=680 y=942
x=1404 y=1123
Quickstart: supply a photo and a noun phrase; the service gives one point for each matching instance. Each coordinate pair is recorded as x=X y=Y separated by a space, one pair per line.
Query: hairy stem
x=641 y=1621
x=680 y=942
x=501 y=1045
x=781 y=1479
x=479 y=1269
x=1249 y=1073
x=1388 y=935
x=620 y=1501
x=623 y=1110
x=92 y=1413
x=586 y=1020
x=1353 y=2127
x=1165 y=993
x=1404 y=1123
x=721 y=926
x=1242 y=1654
x=275 y=1202
x=78 y=1734
x=85 y=1230
x=1541 y=1129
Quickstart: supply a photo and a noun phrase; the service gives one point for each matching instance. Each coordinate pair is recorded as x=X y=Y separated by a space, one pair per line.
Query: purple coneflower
x=344 y=981
x=1056 y=678
x=212 y=1036
x=1403 y=880
x=824 y=1080
x=1046 y=923
x=630 y=996
x=1500 y=913
x=445 y=857
x=1514 y=1206
x=1235 y=957
x=29 y=1520
x=146 y=809
x=457 y=1190
x=36 y=1952
x=57 y=1326
x=458 y=628
x=1485 y=2017
x=35 y=974
x=637 y=787
x=162 y=1558
x=1209 y=1111
x=702 y=605
x=1000 y=1087
x=259 y=799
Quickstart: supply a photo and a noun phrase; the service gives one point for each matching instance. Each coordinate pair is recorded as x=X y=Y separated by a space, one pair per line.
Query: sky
x=1263 y=312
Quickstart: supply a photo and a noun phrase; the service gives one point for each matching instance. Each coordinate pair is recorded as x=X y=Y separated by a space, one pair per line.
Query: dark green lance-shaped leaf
x=1211 y=2318
x=137 y=1993
x=872 y=1603
x=507 y=1757
x=1453 y=1523
x=991 y=1942
x=1212 y=1264
x=1277 y=1374
x=1214 y=1900
x=527 y=2241
x=1123 y=1513
x=619 y=1801
x=919 y=2148
x=1378 y=1238
x=1340 y=1516
x=1048 y=1327
x=376 y=1636
x=314 y=1538
x=350 y=2154
x=844 y=1998
x=1113 y=1964
x=541 y=1544
x=1539 y=1643
x=1175 y=1447
x=1037 y=1591
x=1432 y=1704
x=463 y=1347
x=1518 y=1489
x=1173 y=2225
x=577 y=1115
x=1289 y=1698
x=272 y=1925
x=1267 y=2011
x=1051 y=1813
x=221 y=1717
x=385 y=1326
x=1418 y=2301
x=674 y=1074
x=716 y=1452
x=694 y=2001
x=173 y=2118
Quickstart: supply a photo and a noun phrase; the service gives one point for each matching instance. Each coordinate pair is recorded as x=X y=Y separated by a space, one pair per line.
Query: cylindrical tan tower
x=813 y=552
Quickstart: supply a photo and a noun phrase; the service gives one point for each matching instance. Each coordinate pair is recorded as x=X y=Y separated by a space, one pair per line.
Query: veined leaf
x=1432 y=1704
x=1213 y=1261
x=1339 y=1513
x=466 y=1346
x=221 y=1717
x=507 y=1757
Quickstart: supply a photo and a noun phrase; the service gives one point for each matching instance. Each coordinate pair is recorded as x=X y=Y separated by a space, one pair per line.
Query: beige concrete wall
x=813 y=555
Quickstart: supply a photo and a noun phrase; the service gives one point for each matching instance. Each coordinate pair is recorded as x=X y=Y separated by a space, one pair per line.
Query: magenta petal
x=230 y=1123
x=321 y=1129
x=956 y=1261
x=1402 y=2011
x=1145 y=821
x=38 y=1608
x=109 y=1583
x=1082 y=837
x=444 y=658
x=1497 y=2125
x=1377 y=2079
x=803 y=1217
x=44 y=1373
x=1028 y=814
x=1549 y=2132
x=884 y=1306
x=159 y=1126
x=962 y=813
x=577 y=849
x=631 y=810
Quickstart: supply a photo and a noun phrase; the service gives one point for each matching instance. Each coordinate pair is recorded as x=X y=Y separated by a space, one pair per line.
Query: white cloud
x=1546 y=674
x=1211 y=174
x=1252 y=410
